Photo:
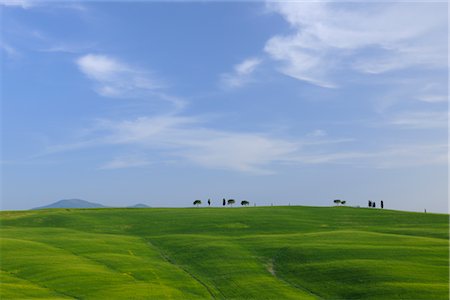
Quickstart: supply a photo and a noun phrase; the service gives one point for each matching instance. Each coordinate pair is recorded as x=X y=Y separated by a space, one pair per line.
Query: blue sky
x=277 y=102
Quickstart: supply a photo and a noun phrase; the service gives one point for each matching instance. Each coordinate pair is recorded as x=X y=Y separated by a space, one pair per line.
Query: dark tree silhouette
x=370 y=203
x=374 y=204
x=343 y=202
x=382 y=204
x=337 y=201
x=197 y=202
x=245 y=202
x=209 y=202
x=224 y=202
x=231 y=202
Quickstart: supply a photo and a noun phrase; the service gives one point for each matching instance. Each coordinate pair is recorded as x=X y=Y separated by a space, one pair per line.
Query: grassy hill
x=224 y=253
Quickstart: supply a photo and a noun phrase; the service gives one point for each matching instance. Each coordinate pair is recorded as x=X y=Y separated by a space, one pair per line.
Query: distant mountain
x=71 y=203
x=139 y=205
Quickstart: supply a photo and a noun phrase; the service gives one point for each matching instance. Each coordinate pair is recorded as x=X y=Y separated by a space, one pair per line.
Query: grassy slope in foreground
x=224 y=253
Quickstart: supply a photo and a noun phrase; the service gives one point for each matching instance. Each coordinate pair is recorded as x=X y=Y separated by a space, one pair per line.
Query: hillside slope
x=224 y=253
x=71 y=203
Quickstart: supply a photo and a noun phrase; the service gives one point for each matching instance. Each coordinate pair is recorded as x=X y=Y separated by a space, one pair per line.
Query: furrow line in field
x=169 y=260
x=39 y=284
x=272 y=270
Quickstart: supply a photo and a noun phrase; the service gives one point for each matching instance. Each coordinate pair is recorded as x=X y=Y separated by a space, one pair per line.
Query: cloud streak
x=188 y=140
x=328 y=38
x=241 y=74
x=114 y=78
x=124 y=162
x=420 y=120
x=17 y=3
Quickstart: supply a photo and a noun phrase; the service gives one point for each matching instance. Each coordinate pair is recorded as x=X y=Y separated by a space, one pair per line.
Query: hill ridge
x=71 y=203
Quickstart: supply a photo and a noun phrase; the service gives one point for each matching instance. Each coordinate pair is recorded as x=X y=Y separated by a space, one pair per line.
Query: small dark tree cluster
x=339 y=202
x=373 y=204
x=224 y=202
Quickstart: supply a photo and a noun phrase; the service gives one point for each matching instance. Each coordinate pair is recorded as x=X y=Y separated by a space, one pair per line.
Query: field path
x=8 y=278
x=169 y=260
x=272 y=270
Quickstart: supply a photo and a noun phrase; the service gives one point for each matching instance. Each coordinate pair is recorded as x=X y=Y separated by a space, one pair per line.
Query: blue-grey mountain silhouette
x=72 y=203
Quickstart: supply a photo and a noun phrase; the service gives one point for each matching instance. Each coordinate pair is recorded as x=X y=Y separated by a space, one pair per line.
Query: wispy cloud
x=18 y=3
x=116 y=79
x=189 y=140
x=411 y=155
x=185 y=138
x=65 y=47
x=434 y=92
x=123 y=162
x=420 y=120
x=369 y=38
x=433 y=98
x=389 y=157
x=241 y=74
x=317 y=133
x=27 y=4
x=10 y=51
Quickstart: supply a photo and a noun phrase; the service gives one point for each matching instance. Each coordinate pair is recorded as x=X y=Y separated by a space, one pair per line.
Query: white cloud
x=243 y=152
x=76 y=6
x=185 y=138
x=297 y=63
x=412 y=155
x=370 y=38
x=388 y=157
x=434 y=92
x=26 y=4
x=247 y=66
x=317 y=133
x=125 y=162
x=66 y=47
x=10 y=51
x=115 y=78
x=433 y=98
x=420 y=120
x=188 y=140
x=241 y=74
x=17 y=3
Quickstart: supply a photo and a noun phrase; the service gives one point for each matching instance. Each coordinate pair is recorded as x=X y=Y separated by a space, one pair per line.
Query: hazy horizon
x=121 y=103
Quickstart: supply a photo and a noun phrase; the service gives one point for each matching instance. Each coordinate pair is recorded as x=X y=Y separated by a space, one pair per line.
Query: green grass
x=224 y=253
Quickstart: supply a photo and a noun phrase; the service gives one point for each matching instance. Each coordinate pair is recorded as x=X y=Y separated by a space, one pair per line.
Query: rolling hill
x=139 y=205
x=224 y=253
x=71 y=203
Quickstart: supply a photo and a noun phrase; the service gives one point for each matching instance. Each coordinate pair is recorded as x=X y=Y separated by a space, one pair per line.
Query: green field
x=224 y=253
